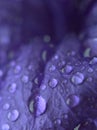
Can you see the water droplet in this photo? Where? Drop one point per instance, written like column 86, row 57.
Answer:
column 87, row 52
column 53, row 83
column 56, row 57
column 94, row 60
column 5, row 127
column 13, row 115
column 6, row 106
column 41, row 105
column 90, row 70
column 57, row 121
column 72, row 100
column 61, row 64
column 44, row 55
column 52, row 68
column 17, row 69
column 31, row 106
column 89, row 79
column 25, row 79
column 12, row 88
column 68, row 68
column 43, row 87
column 36, row 81
column 77, row 78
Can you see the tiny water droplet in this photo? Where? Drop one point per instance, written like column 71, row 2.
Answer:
column 36, row 81
column 56, row 57
column 94, row 60
column 53, row 83
column 68, row 68
column 87, row 52
column 52, row 68
column 12, row 88
column 72, row 100
column 89, row 79
column 13, row 115
column 25, row 79
column 43, row 87
column 57, row 121
column 90, row 70
column 44, row 55
column 17, row 69
column 6, row 106
column 77, row 78
column 41, row 105
column 5, row 127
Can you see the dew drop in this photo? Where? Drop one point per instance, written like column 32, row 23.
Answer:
column 87, row 52
column 5, row 127
column 44, row 55
column 31, row 106
column 77, row 78
column 52, row 68
column 43, row 87
column 57, row 121
column 56, row 57
column 6, row 106
column 41, row 105
column 36, row 81
column 72, row 100
column 53, row 83
column 90, row 70
column 12, row 88
column 68, row 68
column 25, row 79
column 94, row 60
column 13, row 115
column 17, row 69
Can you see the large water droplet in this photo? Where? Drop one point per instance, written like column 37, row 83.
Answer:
column 68, row 68
column 77, row 78
column 5, row 127
column 72, row 100
column 25, row 79
column 6, row 106
column 53, row 83
column 41, row 105
column 13, row 115
column 12, row 88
